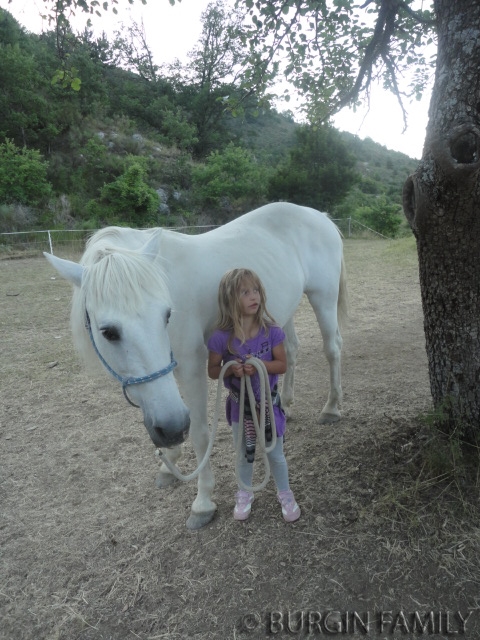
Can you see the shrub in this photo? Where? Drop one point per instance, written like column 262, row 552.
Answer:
column 23, row 175
column 381, row 217
column 177, row 130
column 128, row 198
column 231, row 174
column 16, row 217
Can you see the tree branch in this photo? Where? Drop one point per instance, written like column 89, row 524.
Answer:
column 372, row 51
column 378, row 47
column 416, row 16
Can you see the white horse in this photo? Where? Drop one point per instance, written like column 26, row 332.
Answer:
column 145, row 300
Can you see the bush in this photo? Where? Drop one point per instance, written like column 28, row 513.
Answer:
column 96, row 166
column 381, row 217
column 23, row 176
column 128, row 198
column 177, row 130
column 232, row 174
column 16, row 217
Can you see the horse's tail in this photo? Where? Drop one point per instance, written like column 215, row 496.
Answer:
column 342, row 301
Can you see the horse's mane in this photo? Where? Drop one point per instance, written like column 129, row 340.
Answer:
column 116, row 277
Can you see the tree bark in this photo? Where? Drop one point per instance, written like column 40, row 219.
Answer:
column 442, row 204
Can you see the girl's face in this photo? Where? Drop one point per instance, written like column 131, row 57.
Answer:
column 249, row 297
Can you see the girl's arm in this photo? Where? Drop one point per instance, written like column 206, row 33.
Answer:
column 214, row 365
column 277, row 365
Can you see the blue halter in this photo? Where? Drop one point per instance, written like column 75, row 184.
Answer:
column 128, row 381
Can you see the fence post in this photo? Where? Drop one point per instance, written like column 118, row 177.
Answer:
column 50, row 241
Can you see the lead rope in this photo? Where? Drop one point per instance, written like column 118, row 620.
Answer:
column 245, row 383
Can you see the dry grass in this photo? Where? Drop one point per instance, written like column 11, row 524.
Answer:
column 91, row 550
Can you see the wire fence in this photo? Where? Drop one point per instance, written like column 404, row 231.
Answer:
column 31, row 243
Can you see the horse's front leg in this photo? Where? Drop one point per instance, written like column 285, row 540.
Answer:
column 195, row 391
column 166, row 478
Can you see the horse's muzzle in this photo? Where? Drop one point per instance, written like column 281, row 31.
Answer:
column 168, row 436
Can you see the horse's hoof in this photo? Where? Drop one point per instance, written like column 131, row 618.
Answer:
column 165, row 480
column 199, row 520
column 288, row 412
column 329, row 418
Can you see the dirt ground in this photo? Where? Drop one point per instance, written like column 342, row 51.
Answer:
column 92, row 550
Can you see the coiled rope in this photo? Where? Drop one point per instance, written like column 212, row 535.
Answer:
column 265, row 399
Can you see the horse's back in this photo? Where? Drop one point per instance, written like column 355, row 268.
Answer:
column 283, row 233
column 293, row 249
column 294, row 234
column 280, row 219
column 287, row 223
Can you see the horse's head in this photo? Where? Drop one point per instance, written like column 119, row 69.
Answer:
column 120, row 313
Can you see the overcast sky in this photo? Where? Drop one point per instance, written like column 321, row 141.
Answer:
column 173, row 31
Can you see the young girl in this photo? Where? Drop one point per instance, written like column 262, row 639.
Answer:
column 245, row 329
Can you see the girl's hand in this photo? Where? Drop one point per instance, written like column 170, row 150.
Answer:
column 237, row 369
column 249, row 369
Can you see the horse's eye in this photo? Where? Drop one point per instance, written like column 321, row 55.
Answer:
column 110, row 333
column 169, row 313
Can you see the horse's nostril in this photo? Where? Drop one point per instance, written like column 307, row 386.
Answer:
column 165, row 438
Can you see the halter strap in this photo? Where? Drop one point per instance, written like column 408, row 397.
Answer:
column 127, row 381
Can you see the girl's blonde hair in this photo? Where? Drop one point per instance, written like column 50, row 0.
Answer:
column 229, row 309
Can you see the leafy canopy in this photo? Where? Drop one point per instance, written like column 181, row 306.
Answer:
column 332, row 50
column 329, row 50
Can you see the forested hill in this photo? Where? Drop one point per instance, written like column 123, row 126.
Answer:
column 91, row 134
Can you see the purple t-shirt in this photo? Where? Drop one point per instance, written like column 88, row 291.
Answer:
column 259, row 347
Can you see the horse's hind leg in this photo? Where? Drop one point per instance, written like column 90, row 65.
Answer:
column 288, row 384
column 326, row 314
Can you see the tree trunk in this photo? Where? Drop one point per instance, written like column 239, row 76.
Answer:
column 442, row 205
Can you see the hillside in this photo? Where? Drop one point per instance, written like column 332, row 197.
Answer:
column 377, row 162
column 122, row 148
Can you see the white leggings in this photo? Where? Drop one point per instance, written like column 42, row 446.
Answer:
column 276, row 459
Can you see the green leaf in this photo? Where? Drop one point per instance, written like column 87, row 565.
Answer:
column 58, row 76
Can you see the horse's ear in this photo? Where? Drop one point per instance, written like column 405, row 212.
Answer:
column 71, row 271
column 152, row 246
